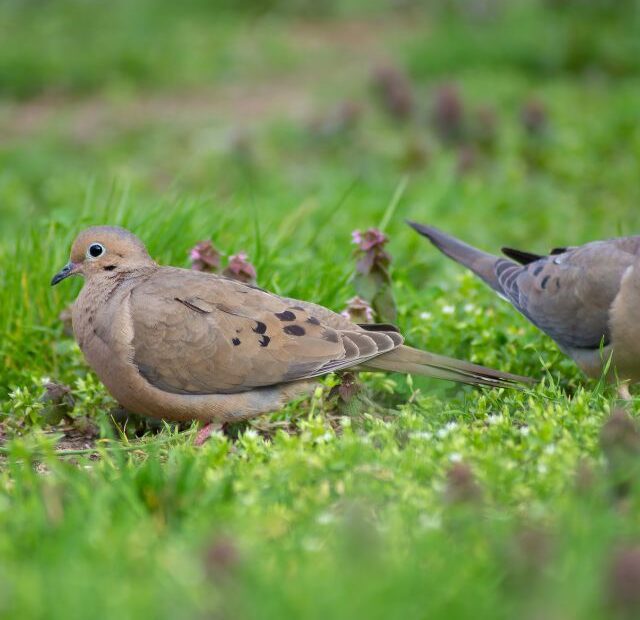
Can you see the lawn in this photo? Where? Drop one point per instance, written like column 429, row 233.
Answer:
column 278, row 128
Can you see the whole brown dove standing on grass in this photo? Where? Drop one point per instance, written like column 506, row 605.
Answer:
column 182, row 344
column 587, row 298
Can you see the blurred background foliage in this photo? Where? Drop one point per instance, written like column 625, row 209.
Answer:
column 83, row 46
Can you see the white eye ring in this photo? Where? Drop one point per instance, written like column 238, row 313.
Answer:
column 95, row 250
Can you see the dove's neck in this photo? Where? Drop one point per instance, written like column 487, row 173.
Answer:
column 107, row 282
column 99, row 294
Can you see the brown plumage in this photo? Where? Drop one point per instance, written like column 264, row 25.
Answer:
column 180, row 344
column 586, row 298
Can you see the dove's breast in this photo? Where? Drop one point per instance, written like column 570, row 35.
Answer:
column 625, row 326
column 102, row 328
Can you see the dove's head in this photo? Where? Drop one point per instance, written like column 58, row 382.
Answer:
column 104, row 250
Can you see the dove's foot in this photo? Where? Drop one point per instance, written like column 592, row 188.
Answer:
column 205, row 432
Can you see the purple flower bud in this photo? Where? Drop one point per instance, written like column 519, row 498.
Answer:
column 370, row 250
column 239, row 268
column 461, row 485
column 448, row 114
column 342, row 119
column 393, row 89
column 534, row 117
column 623, row 581
column 372, row 279
column 467, row 159
column 222, row 557
column 370, row 239
column 485, row 126
column 205, row 257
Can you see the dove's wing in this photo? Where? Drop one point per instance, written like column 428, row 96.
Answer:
column 569, row 294
column 196, row 333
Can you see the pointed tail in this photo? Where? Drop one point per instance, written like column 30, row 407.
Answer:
column 481, row 263
column 414, row 361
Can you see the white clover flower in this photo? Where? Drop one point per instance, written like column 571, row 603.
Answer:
column 448, row 427
column 448, row 309
column 325, row 438
column 430, row 522
column 312, row 544
column 324, row 518
column 426, row 316
column 455, row 457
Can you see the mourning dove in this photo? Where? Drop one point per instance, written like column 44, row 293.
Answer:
column 586, row 298
column 180, row 344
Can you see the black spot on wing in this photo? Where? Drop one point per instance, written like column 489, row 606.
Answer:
column 287, row 315
column 264, row 341
column 544, row 282
column 260, row 327
column 294, row 330
column 236, row 342
column 313, row 320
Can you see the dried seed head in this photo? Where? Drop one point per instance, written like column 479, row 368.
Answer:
column 623, row 581
column 448, row 114
column 358, row 310
column 393, row 88
column 221, row 557
column 534, row 117
column 461, row 485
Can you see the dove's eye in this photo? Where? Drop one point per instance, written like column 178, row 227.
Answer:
column 95, row 250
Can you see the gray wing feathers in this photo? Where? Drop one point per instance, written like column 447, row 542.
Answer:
column 567, row 294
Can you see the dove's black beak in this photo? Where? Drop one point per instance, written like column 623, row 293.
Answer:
column 68, row 270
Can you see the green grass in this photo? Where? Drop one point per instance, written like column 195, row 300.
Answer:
column 321, row 510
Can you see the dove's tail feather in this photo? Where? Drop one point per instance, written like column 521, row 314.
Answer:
column 481, row 263
column 414, row 361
